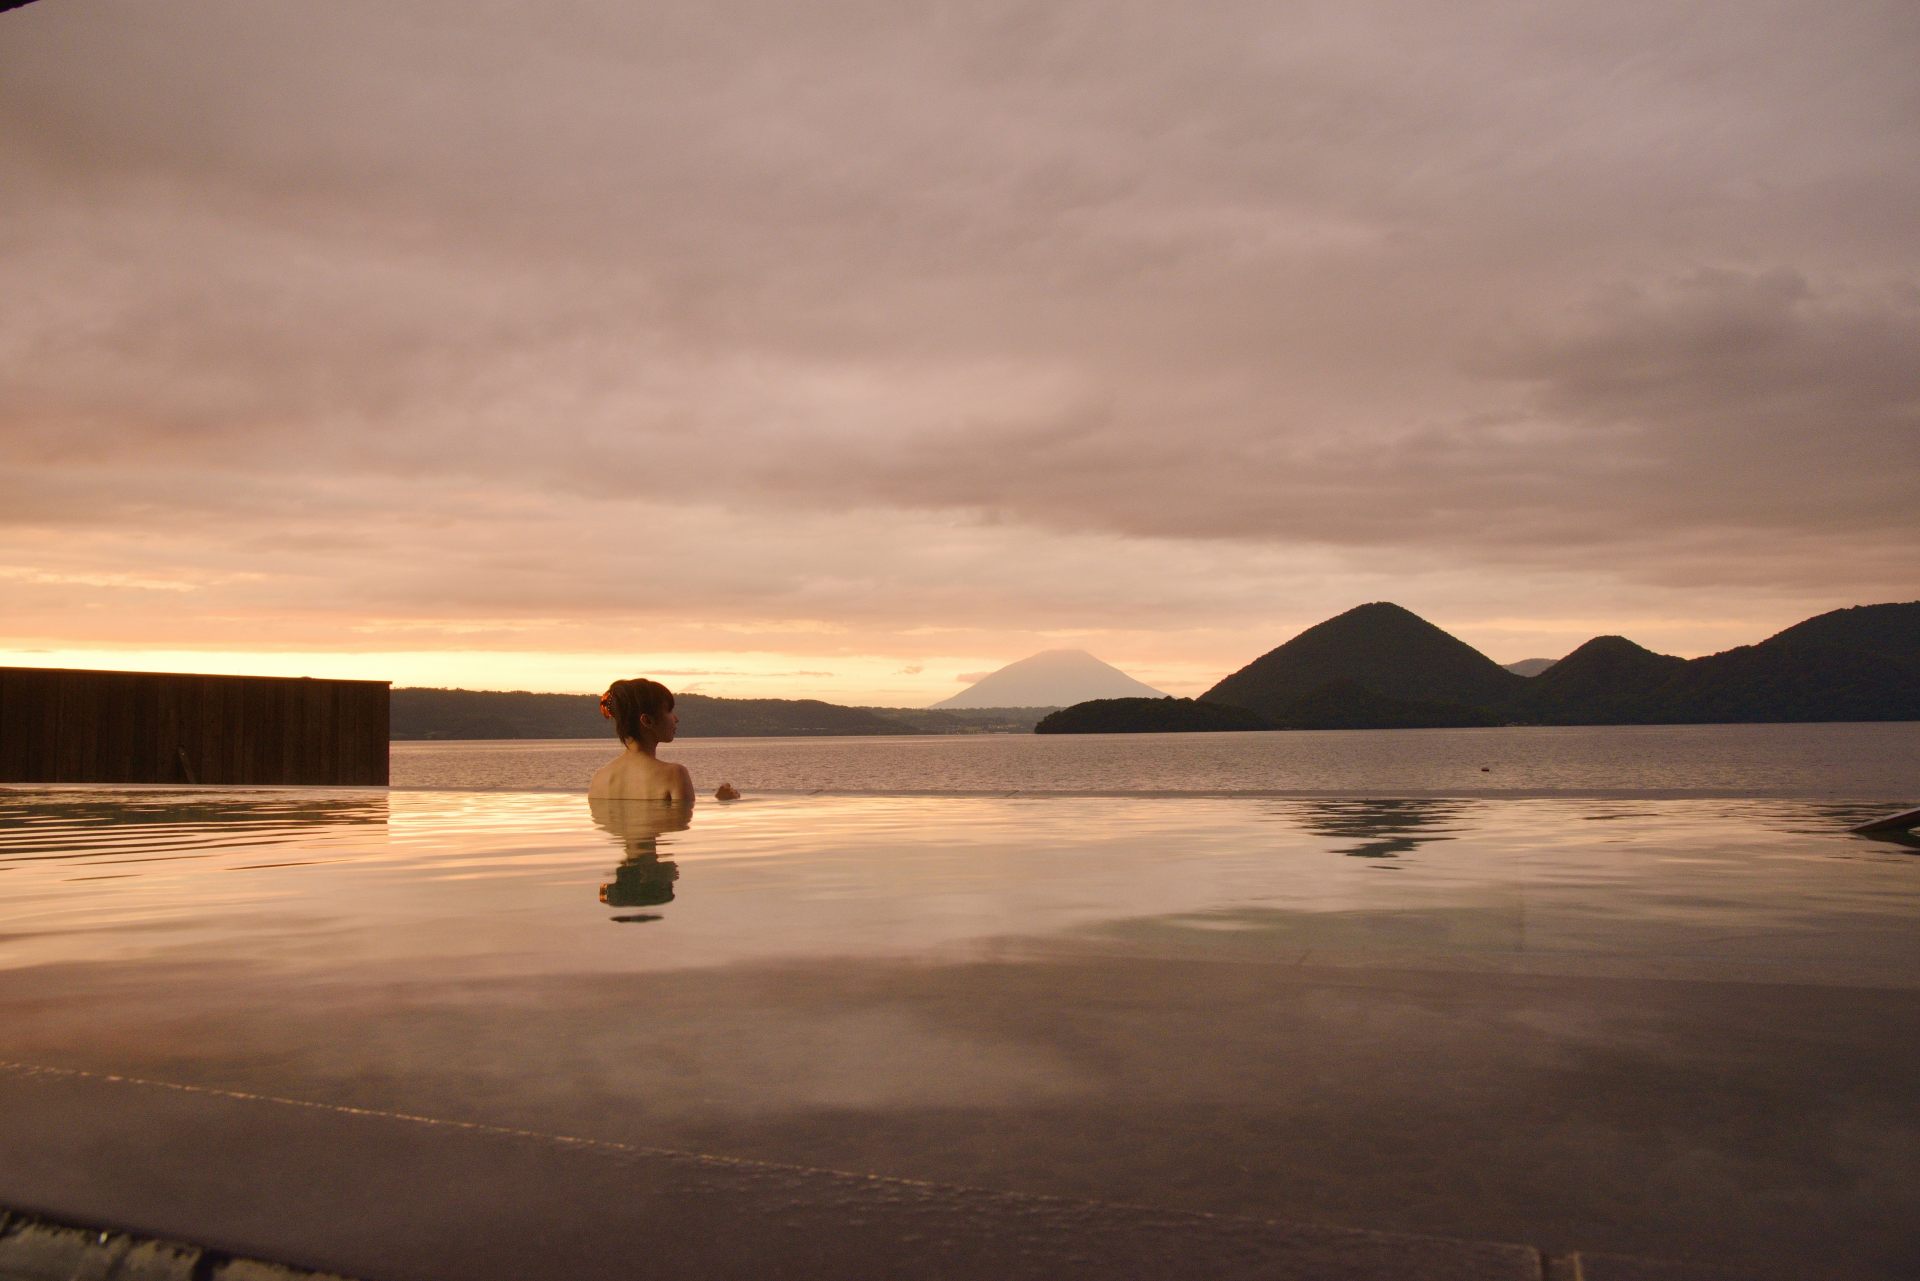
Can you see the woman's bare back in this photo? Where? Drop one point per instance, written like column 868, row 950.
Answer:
column 637, row 776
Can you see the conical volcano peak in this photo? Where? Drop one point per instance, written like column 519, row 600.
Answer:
column 1051, row 678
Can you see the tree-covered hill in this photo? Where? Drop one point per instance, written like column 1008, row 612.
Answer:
column 1883, row 629
column 1608, row 680
column 1380, row 648
column 1347, row 704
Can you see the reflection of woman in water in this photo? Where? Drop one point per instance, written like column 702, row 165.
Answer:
column 643, row 879
column 637, row 797
column 642, row 714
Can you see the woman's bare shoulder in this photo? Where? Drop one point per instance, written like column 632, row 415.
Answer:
column 606, row 780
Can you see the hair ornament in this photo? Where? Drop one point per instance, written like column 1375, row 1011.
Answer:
column 606, row 705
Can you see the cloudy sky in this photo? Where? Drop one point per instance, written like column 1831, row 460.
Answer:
column 840, row 349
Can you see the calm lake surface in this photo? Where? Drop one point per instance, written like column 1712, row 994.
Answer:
column 322, row 883
column 1629, row 990
column 1858, row 762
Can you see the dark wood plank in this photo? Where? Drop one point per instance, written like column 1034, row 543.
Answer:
column 139, row 727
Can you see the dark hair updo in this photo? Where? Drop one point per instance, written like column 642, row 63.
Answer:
column 625, row 702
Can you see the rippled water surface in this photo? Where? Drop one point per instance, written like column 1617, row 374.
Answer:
column 1865, row 762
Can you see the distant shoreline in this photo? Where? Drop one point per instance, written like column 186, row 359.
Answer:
column 1127, row 734
column 476, row 715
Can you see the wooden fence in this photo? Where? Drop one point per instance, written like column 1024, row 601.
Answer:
column 64, row 726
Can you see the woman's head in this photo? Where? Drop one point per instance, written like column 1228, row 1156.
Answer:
column 640, row 709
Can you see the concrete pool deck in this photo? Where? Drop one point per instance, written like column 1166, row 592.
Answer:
column 383, row 1195
column 1462, row 1066
column 1435, row 1116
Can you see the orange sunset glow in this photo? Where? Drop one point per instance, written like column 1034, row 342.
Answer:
column 843, row 356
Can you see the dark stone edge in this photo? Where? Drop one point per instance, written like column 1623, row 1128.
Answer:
column 36, row 1247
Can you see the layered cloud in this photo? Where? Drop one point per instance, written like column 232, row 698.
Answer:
column 1010, row 318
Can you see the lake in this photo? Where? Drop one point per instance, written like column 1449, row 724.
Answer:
column 1630, row 992
column 1855, row 762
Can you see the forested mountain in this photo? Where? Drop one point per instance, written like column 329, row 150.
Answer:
column 1607, row 680
column 1858, row 664
column 1379, row 648
column 1884, row 629
column 1380, row 666
column 1769, row 682
column 1347, row 704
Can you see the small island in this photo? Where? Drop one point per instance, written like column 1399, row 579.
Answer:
column 1167, row 715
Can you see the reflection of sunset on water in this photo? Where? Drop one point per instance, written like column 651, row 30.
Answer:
column 1177, row 1003
column 488, row 883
